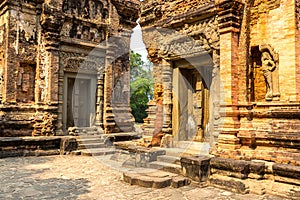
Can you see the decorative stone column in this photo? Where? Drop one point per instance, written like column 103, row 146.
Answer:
column 100, row 99
column 229, row 20
column 117, row 116
column 108, row 121
column 167, row 76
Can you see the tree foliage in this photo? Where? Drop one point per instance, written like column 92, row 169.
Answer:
column 141, row 86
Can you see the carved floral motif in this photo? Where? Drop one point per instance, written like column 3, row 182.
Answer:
column 74, row 62
column 200, row 37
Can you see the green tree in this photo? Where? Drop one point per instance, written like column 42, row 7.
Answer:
column 141, row 86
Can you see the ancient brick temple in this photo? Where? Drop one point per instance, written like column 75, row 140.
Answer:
column 65, row 63
column 227, row 72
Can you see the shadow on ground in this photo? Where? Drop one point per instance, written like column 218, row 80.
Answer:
column 22, row 178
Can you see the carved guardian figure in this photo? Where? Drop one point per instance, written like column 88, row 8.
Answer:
column 270, row 60
column 268, row 66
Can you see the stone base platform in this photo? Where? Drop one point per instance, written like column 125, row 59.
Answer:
column 155, row 179
column 256, row 176
column 36, row 146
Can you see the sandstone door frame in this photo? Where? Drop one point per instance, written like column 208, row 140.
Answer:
column 85, row 99
column 190, row 102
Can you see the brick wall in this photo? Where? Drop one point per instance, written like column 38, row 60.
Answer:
column 275, row 25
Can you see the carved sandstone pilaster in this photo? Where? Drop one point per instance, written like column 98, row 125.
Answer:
column 229, row 19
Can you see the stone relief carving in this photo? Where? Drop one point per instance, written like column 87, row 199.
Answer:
column 2, row 34
column 178, row 7
column 43, row 124
column 121, row 80
column 87, row 9
column 43, row 72
column 179, row 45
column 26, row 82
column 121, row 90
column 77, row 30
column 117, row 90
column 158, row 91
column 268, row 66
column 205, row 33
column 66, row 29
column 270, row 61
column 200, row 37
column 74, row 62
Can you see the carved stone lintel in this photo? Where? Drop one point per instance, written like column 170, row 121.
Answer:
column 73, row 62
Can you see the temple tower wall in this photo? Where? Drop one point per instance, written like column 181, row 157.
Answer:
column 254, row 88
column 56, row 57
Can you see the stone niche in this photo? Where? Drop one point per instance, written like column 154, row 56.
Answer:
column 26, row 83
column 263, row 77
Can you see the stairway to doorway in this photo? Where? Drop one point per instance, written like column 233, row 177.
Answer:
column 148, row 167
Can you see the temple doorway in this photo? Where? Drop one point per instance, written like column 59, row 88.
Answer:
column 79, row 107
column 190, row 105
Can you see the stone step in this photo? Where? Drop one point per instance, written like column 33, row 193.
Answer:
column 169, row 159
column 168, row 167
column 97, row 152
column 91, row 146
column 90, row 140
column 178, row 152
column 125, row 136
column 194, row 153
column 91, row 133
column 193, row 146
column 76, row 153
column 126, row 128
column 120, row 156
column 85, row 131
column 158, row 179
